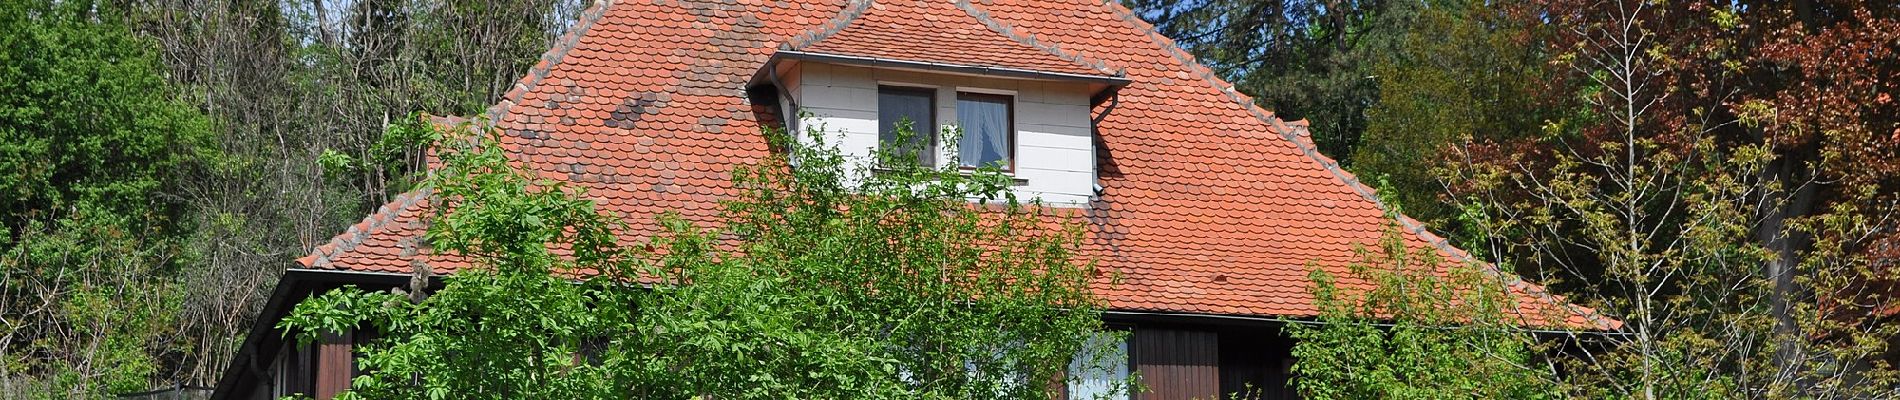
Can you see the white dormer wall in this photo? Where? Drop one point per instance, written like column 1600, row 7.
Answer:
column 1054, row 154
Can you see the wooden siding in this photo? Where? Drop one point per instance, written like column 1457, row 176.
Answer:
column 1253, row 364
column 291, row 373
column 334, row 366
column 1177, row 364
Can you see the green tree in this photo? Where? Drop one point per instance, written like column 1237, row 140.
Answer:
column 1693, row 188
column 308, row 99
column 1420, row 327
column 1460, row 71
column 1720, row 175
column 821, row 280
column 94, row 149
column 1301, row 59
column 377, row 60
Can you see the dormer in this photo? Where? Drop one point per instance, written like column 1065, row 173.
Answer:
column 1022, row 106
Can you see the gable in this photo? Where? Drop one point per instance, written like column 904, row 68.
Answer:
column 1209, row 205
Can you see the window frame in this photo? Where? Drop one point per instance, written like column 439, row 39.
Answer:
column 931, row 147
column 1009, row 127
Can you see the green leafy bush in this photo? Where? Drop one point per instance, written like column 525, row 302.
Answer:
column 1417, row 328
column 94, row 147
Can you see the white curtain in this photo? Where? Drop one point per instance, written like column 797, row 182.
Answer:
column 985, row 122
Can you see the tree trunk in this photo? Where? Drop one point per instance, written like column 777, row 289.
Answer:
column 1798, row 198
column 323, row 23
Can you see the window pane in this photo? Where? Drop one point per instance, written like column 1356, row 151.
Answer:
column 1099, row 374
column 985, row 119
column 896, row 106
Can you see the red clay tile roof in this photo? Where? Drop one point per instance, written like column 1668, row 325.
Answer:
column 1211, row 205
column 385, row 241
column 937, row 31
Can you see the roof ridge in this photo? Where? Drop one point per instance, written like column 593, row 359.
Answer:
column 983, row 15
column 1297, row 135
column 346, row 241
column 554, row 56
column 850, row 13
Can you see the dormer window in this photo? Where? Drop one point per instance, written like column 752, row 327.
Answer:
column 1034, row 126
column 989, row 130
column 852, row 83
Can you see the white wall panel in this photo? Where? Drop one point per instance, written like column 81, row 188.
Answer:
column 1053, row 159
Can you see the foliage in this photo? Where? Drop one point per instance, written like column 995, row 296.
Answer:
column 308, row 102
column 822, row 280
column 94, row 149
column 1672, row 194
column 394, row 151
column 1302, row 59
column 1716, row 175
column 91, row 126
column 1419, row 328
column 1684, row 279
column 120, row 193
column 378, row 61
column 1387, row 86
column 1459, row 71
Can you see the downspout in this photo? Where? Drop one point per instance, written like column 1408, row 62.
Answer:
column 1095, row 174
column 1097, row 209
column 791, row 116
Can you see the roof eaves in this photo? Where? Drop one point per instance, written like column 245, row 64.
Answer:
column 320, row 257
column 249, row 364
column 1298, row 136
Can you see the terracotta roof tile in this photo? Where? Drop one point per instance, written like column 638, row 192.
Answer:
column 1211, row 204
column 939, row 31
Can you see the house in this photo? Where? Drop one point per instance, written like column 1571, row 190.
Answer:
column 1211, row 209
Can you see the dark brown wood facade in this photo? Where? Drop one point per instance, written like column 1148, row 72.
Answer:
column 1177, row 363
column 335, row 365
column 1212, row 362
